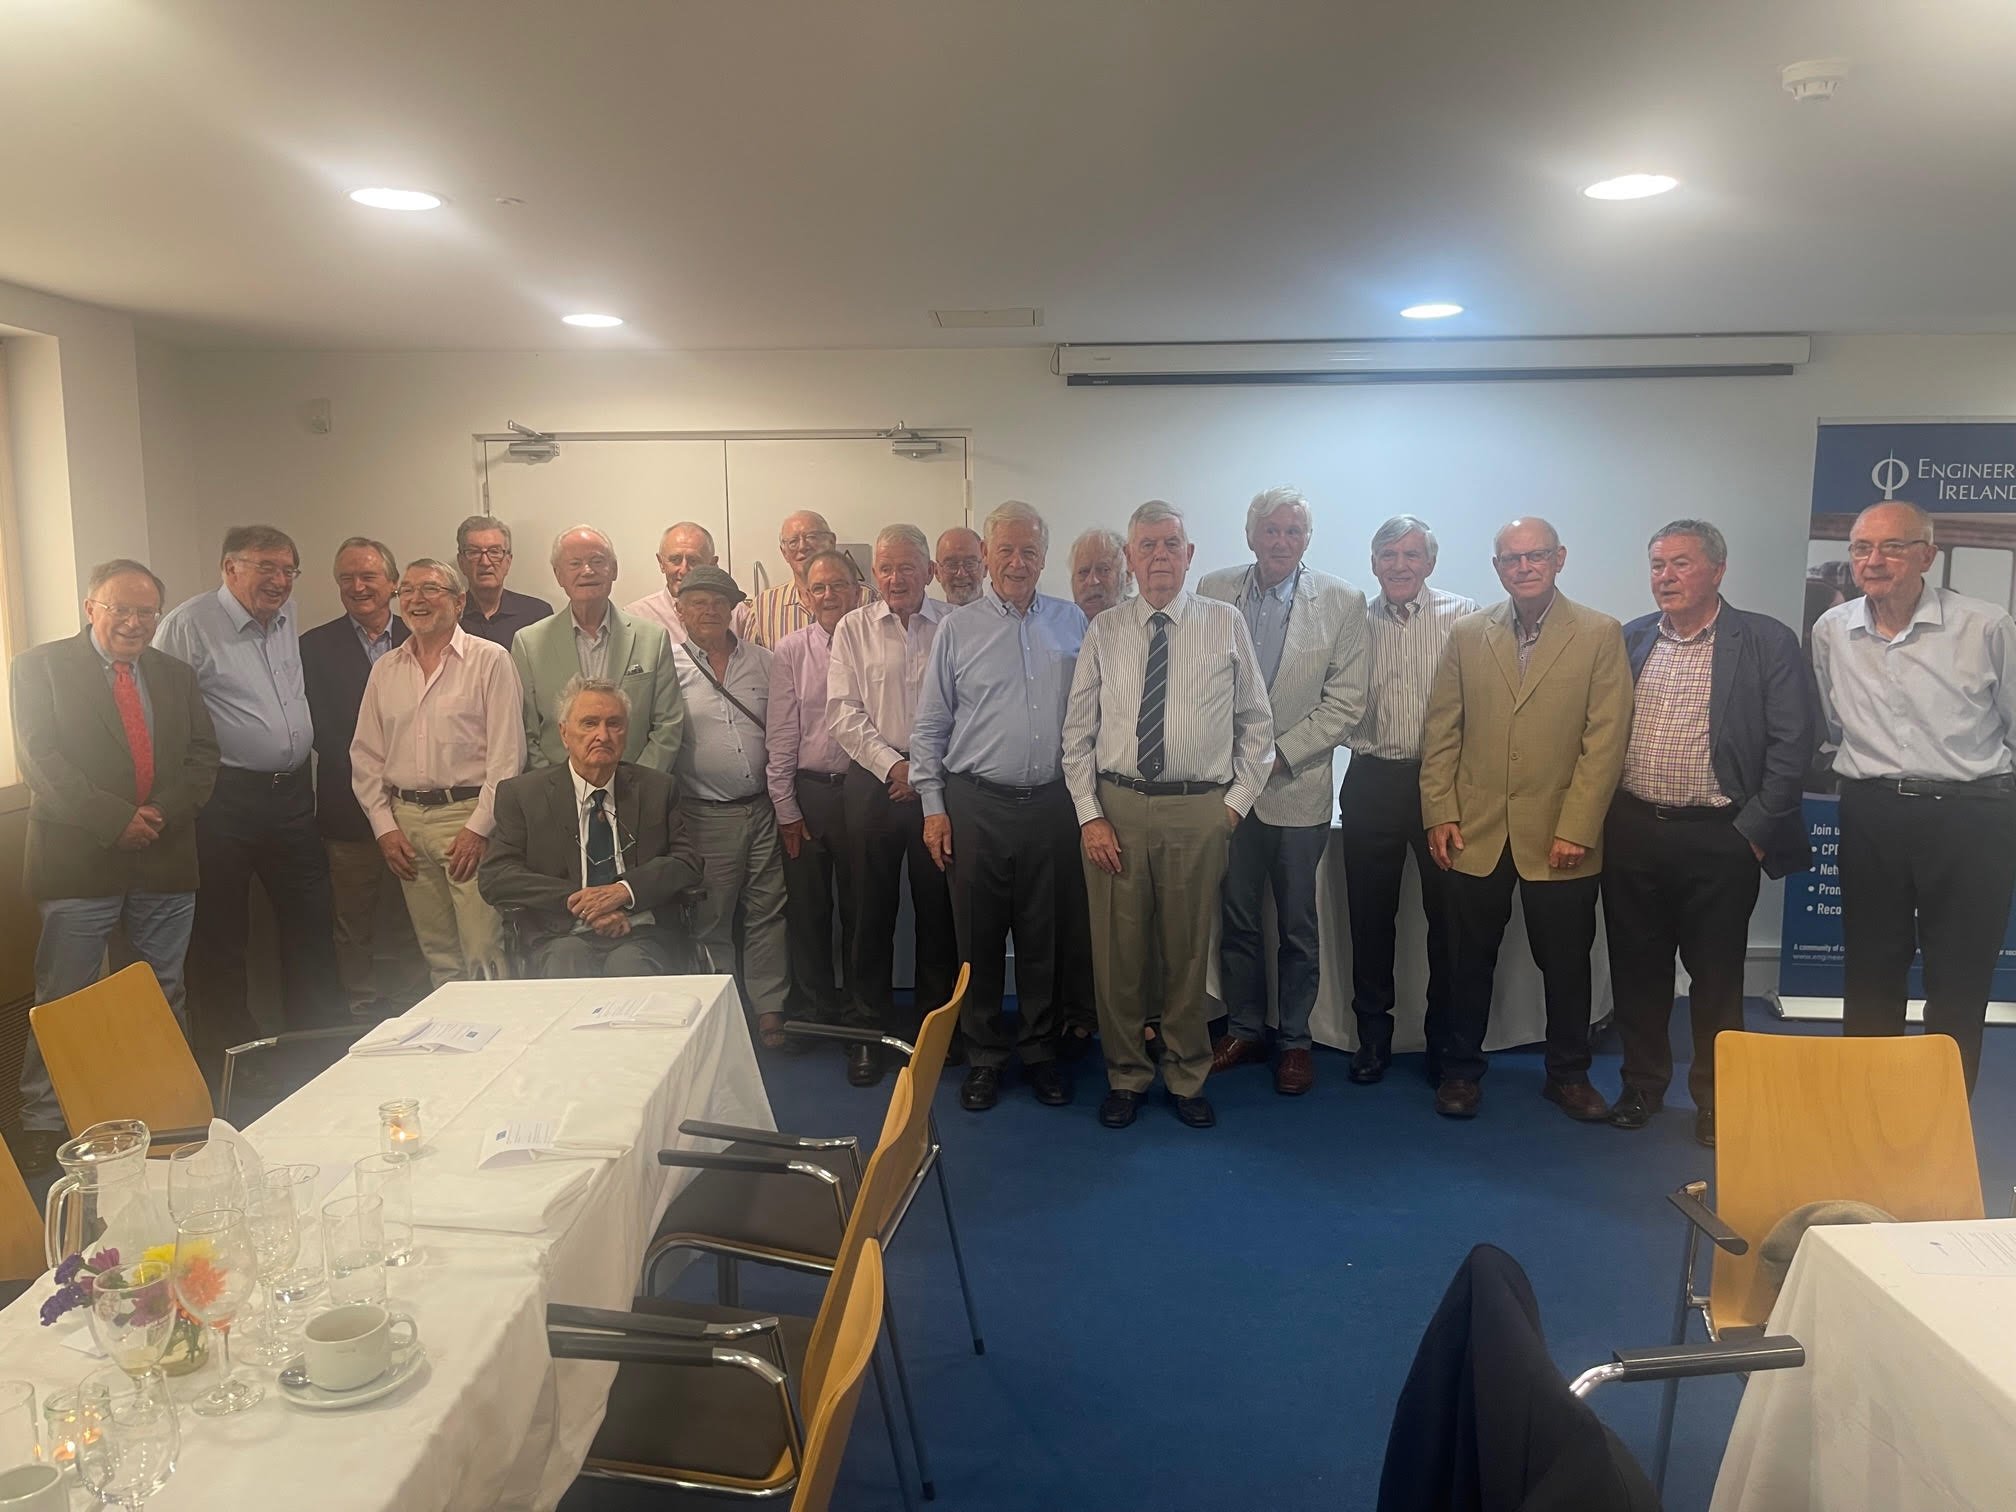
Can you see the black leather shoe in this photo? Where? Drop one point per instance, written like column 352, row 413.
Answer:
column 981, row 1089
column 1048, row 1081
column 864, row 1065
column 1117, row 1108
column 1195, row 1112
column 1368, row 1064
column 1632, row 1110
column 1704, row 1128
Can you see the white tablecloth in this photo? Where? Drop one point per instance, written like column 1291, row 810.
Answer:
column 491, row 1421
column 1907, row 1402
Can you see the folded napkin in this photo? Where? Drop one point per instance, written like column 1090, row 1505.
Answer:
column 250, row 1166
column 523, row 1200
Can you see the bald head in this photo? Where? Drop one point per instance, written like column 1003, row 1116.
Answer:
column 1890, row 550
column 681, row 549
column 1528, row 555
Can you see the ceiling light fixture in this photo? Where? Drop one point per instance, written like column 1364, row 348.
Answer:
column 1431, row 311
column 593, row 322
column 1631, row 186
column 396, row 199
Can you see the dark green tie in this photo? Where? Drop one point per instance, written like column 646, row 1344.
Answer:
column 601, row 842
column 1148, row 725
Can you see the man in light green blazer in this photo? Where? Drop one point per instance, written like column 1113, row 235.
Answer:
column 596, row 639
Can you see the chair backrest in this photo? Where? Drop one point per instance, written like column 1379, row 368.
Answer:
column 1804, row 1119
column 114, row 1050
column 20, row 1225
column 829, row 1412
column 934, row 1035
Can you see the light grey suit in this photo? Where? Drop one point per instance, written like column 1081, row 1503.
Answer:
column 640, row 662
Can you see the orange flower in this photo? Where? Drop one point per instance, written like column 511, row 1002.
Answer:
column 200, row 1281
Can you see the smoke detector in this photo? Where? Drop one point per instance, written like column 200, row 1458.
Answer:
column 1814, row 79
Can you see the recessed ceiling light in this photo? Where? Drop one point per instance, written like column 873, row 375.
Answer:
column 1431, row 311
column 396, row 199
column 596, row 322
column 1632, row 186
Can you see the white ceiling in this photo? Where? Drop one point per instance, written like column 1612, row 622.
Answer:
column 753, row 173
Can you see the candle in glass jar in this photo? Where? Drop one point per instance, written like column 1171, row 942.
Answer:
column 399, row 1122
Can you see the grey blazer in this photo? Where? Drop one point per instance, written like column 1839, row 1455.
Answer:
column 1318, row 693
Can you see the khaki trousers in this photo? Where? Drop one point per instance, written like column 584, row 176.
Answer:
column 742, row 862
column 1172, row 859
column 358, row 882
column 460, row 935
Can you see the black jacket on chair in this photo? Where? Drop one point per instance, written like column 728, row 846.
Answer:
column 1486, row 1423
column 335, row 669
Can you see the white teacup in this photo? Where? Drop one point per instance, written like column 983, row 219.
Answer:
column 33, row 1488
column 348, row 1347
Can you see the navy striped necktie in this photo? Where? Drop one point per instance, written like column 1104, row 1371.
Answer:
column 601, row 843
column 1148, row 727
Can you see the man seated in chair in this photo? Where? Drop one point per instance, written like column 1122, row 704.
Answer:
column 591, row 855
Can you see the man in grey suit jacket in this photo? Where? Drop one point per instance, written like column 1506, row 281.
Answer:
column 595, row 888
column 1309, row 631
column 596, row 639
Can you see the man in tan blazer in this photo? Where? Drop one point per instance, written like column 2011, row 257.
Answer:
column 1523, row 747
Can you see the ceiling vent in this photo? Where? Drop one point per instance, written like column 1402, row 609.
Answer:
column 1004, row 318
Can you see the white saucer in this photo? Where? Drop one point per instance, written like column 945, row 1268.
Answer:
column 317, row 1399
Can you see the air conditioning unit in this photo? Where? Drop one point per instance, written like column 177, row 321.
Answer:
column 1485, row 360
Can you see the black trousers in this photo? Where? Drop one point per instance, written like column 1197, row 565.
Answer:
column 885, row 835
column 815, row 879
column 1678, row 884
column 1380, row 821
column 1560, row 930
column 255, row 825
column 1924, row 873
column 1015, row 869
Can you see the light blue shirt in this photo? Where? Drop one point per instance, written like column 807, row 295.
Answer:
column 1267, row 611
column 250, row 676
column 374, row 646
column 994, row 694
column 139, row 681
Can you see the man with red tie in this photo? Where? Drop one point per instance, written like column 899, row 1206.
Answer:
column 118, row 752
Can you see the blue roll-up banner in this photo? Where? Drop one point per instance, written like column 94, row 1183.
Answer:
column 1964, row 474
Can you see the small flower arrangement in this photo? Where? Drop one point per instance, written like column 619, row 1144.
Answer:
column 77, row 1281
column 76, row 1278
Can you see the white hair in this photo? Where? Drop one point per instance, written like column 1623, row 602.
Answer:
column 450, row 574
column 574, row 687
column 1107, row 542
column 1155, row 512
column 561, row 538
column 1011, row 510
column 906, row 535
column 1269, row 500
column 1402, row 526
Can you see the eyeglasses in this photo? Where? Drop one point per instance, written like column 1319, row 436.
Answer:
column 1890, row 551
column 588, row 564
column 806, row 538
column 487, row 553
column 121, row 615
column 277, row 572
column 424, row 590
column 1511, row 559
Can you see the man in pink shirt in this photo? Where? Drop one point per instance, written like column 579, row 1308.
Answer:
column 439, row 728
column 682, row 548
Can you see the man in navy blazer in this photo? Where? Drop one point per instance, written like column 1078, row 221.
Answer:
column 1724, row 726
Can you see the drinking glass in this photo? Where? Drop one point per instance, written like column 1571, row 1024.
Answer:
column 204, row 1176
column 20, row 1429
column 66, row 1423
column 133, row 1313
column 389, row 1178
column 399, row 1126
column 296, row 1290
column 132, row 1454
column 353, row 1249
column 276, row 1240
column 215, row 1271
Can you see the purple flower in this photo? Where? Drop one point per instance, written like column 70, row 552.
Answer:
column 67, row 1271
column 103, row 1261
column 66, row 1298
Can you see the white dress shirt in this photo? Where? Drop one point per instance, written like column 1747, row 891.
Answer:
column 584, row 805
column 1217, row 723
column 461, row 726
column 873, row 680
column 1403, row 655
column 1939, row 701
column 723, row 755
column 661, row 609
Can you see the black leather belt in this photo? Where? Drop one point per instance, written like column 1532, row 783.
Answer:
column 1685, row 813
column 271, row 782
column 1164, row 789
column 1003, row 790
column 1933, row 787
column 742, row 802
column 436, row 797
column 828, row 779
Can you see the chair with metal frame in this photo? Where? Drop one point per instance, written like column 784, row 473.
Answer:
column 790, row 1214
column 736, row 1434
column 697, row 959
column 1804, row 1119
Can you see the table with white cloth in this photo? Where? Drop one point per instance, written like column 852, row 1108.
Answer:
column 490, row 1420
column 1907, row 1401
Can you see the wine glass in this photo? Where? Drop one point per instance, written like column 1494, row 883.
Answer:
column 276, row 1240
column 132, row 1453
column 215, row 1271
column 133, row 1313
column 204, row 1175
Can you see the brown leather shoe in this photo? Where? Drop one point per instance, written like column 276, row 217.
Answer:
column 1458, row 1099
column 1578, row 1100
column 1232, row 1051
column 1294, row 1074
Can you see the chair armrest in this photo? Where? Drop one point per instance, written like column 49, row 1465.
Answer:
column 611, row 1321
column 856, row 1036
column 1703, row 1218
column 700, row 1128
column 754, row 1165
column 1729, row 1357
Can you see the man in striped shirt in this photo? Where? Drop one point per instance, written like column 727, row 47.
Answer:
column 1406, row 628
column 776, row 612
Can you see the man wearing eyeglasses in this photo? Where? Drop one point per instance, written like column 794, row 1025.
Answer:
column 776, row 612
column 118, row 753
column 260, row 821
column 494, row 612
column 1523, row 745
column 1918, row 691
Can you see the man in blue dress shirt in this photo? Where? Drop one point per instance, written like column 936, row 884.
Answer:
column 260, row 821
column 986, row 758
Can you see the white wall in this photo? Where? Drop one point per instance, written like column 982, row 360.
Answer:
column 1607, row 461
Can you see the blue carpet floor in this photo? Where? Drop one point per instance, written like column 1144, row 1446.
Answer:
column 1222, row 1320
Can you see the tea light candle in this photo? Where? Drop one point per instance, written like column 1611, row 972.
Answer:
column 400, row 1126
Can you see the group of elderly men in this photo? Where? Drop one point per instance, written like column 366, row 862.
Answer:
column 1105, row 780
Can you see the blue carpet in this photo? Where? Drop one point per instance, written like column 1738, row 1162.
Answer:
column 1222, row 1320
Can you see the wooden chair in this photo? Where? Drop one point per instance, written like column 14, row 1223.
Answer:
column 20, row 1227
column 114, row 1050
column 1804, row 1119
column 738, row 1432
